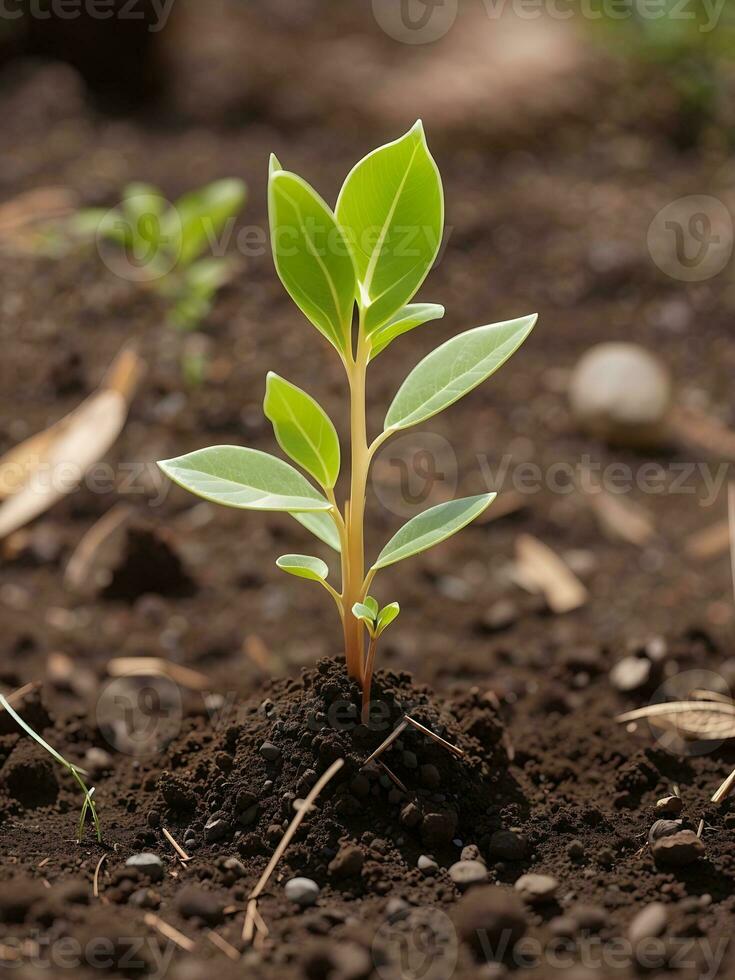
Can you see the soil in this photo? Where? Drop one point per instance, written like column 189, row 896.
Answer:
column 550, row 218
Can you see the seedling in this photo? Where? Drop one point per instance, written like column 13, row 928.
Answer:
column 76, row 772
column 163, row 244
column 369, row 256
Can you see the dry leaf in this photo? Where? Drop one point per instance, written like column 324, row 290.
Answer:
column 90, row 567
column 705, row 720
column 51, row 464
column 151, row 666
column 702, row 432
column 542, row 570
column 622, row 518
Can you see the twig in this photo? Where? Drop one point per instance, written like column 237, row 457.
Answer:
column 176, row 846
column 725, row 789
column 254, row 915
column 455, row 750
column 731, row 521
column 96, row 882
column 392, row 776
column 22, row 691
column 222, row 944
column 389, row 741
column 168, row 931
column 143, row 666
column 700, row 828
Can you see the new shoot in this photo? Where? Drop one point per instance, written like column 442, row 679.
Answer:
column 353, row 272
column 75, row 771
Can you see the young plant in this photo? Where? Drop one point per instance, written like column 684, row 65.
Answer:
column 75, row 771
column 165, row 242
column 369, row 256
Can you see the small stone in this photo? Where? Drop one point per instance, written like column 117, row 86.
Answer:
column 678, row 850
column 195, row 903
column 669, row 806
column 471, row 852
column 590, row 918
column 500, row 616
column 145, row 898
column 536, row 888
column 98, row 761
column 348, row 862
column 235, row 867
column 575, row 850
column 410, row 815
column 148, row 864
column 438, row 829
column 216, row 828
column 270, row 752
column 428, row 865
column 507, row 845
column 663, row 828
column 409, row 760
column 464, row 874
column 630, row 674
column 302, row 891
column 430, row 776
column 649, row 923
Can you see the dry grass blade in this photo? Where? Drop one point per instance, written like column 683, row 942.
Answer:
column 227, row 948
column 725, row 788
column 168, row 932
column 21, row 692
column 50, row 465
column 252, row 916
column 96, row 881
column 437, row 738
column 705, row 720
column 699, row 695
column 146, row 666
column 710, row 542
column 731, row 523
column 622, row 518
column 392, row 776
column 86, row 570
column 544, row 570
column 176, row 846
column 396, row 733
column 701, row 431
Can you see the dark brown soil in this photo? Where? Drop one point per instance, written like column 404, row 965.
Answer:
column 549, row 217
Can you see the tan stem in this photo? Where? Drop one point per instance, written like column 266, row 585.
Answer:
column 367, row 681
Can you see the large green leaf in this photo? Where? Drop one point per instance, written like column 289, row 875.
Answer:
column 303, row 429
column 322, row 526
column 391, row 208
column 432, row 527
column 198, row 217
column 304, row 566
column 413, row 315
column 240, row 477
column 454, row 369
column 311, row 255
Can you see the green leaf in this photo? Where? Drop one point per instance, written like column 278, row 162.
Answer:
column 406, row 319
column 432, row 527
column 304, row 566
column 311, row 256
column 372, row 605
column 239, row 477
column 391, row 208
column 386, row 617
column 198, row 217
column 365, row 615
column 143, row 205
column 321, row 526
column 303, row 429
column 454, row 369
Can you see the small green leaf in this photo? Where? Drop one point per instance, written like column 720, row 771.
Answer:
column 143, row 205
column 454, row 369
column 239, row 477
column 303, row 429
column 311, row 256
column 391, row 208
column 432, row 527
column 406, row 319
column 321, row 526
column 304, row 566
column 386, row 617
column 198, row 217
column 365, row 615
column 372, row 605
column 273, row 165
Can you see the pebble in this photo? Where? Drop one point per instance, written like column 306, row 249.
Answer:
column 215, row 829
column 678, row 850
column 270, row 752
column 630, row 674
column 145, row 898
column 302, row 891
column 98, row 761
column 500, row 616
column 669, row 806
column 537, row 888
column 489, row 914
column 663, row 828
column 148, row 864
column 467, row 873
column 427, row 864
column 649, row 923
column 575, row 850
column 589, row 918
column 195, row 903
column 410, row 815
column 471, row 852
column 507, row 845
column 437, row 829
column 430, row 776
column 348, row 862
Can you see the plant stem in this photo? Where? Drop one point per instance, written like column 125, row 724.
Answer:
column 352, row 591
column 367, row 680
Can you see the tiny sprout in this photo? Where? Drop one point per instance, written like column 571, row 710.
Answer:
column 75, row 771
column 164, row 243
column 370, row 254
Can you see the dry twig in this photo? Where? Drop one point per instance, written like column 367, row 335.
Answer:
column 168, row 931
column 176, row 846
